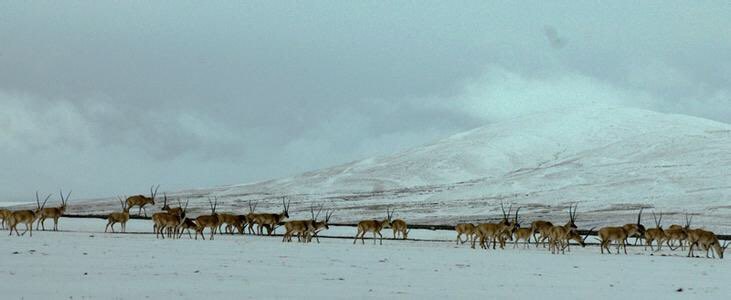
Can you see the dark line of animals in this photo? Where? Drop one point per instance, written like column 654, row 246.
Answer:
column 173, row 222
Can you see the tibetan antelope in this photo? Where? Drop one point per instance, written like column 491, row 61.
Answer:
column 468, row 229
column 53, row 212
column 230, row 220
column 186, row 225
column 4, row 216
column 251, row 217
column 705, row 240
column 141, row 200
column 118, row 217
column 678, row 233
column 374, row 226
column 317, row 226
column 635, row 230
column 609, row 234
column 207, row 221
column 162, row 220
column 300, row 227
column 521, row 233
column 656, row 234
column 488, row 232
column 271, row 221
column 399, row 227
column 26, row 217
column 179, row 211
column 560, row 238
column 543, row 228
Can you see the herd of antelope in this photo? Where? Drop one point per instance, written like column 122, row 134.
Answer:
column 173, row 223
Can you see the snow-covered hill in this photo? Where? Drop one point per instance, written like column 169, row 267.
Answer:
column 610, row 160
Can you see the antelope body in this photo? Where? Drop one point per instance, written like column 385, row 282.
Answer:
column 207, row 221
column 609, row 234
column 271, row 221
column 26, row 217
column 374, row 226
column 467, row 229
column 142, row 200
column 118, row 217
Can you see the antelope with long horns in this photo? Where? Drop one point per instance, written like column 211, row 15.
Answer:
column 317, row 226
column 142, row 200
column 656, row 234
column 207, row 221
column 374, row 226
column 53, row 212
column 299, row 227
column 636, row 230
column 118, row 217
column 678, row 233
column 271, row 221
column 26, row 217
column 705, row 240
column 251, row 217
column 179, row 211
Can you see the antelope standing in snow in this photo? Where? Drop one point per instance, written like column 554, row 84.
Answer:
column 399, row 227
column 705, row 240
column 26, row 217
column 374, row 226
column 468, row 229
column 271, row 221
column 118, row 217
column 207, row 221
column 656, row 234
column 635, row 230
column 317, row 226
column 141, row 201
column 179, row 211
column 53, row 212
column 609, row 234
column 678, row 233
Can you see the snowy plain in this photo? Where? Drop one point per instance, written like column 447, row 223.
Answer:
column 82, row 262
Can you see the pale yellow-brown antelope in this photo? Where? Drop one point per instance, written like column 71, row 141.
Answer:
column 636, row 230
column 607, row 235
column 118, row 217
column 400, row 227
column 186, row 225
column 678, row 233
column 251, row 217
column 179, row 211
column 271, row 221
column 53, row 212
column 207, row 221
column 5, row 216
column 492, row 232
column 162, row 220
column 26, row 217
column 299, row 227
column 521, row 233
column 230, row 220
column 317, row 226
column 468, row 229
column 707, row 241
column 543, row 228
column 374, row 226
column 656, row 234
column 142, row 200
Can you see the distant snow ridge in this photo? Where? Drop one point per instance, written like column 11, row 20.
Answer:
column 610, row 160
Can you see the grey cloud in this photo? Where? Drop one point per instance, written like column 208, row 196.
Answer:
column 114, row 96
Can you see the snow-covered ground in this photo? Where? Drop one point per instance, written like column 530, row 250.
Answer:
column 89, row 264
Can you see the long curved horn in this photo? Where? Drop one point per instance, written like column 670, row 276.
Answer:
column 516, row 215
column 587, row 234
column 639, row 216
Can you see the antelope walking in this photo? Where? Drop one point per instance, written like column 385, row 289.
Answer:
column 251, row 217
column 635, row 230
column 609, row 234
column 53, row 212
column 4, row 216
column 179, row 211
column 26, row 217
column 488, row 232
column 317, row 226
column 544, row 227
column 186, row 225
column 656, row 234
column 271, row 221
column 207, row 221
column 141, row 201
column 468, row 229
column 521, row 233
column 162, row 220
column 678, row 233
column 118, row 217
column 374, row 226
column 705, row 240
column 399, row 227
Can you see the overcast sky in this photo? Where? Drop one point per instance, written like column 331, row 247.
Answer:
column 109, row 98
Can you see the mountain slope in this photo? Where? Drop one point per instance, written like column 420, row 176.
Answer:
column 610, row 160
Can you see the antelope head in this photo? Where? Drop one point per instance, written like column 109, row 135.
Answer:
column 658, row 222
column 64, row 201
column 153, row 194
column 506, row 215
column 285, row 213
column 165, row 205
column 687, row 221
column 389, row 216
